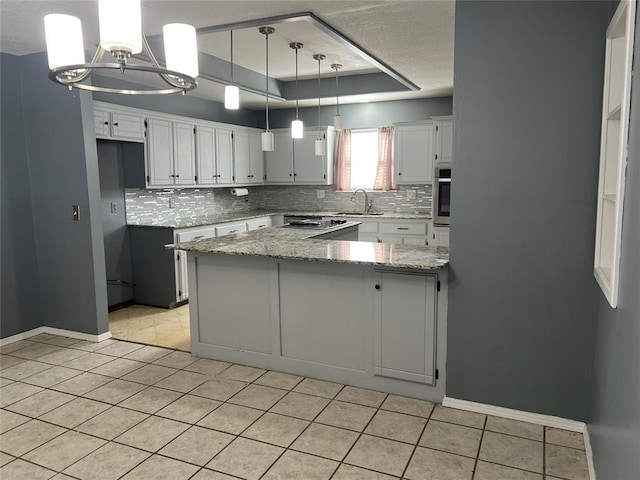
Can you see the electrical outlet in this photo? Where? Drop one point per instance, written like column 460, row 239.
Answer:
column 172, row 202
column 411, row 194
column 319, row 193
column 114, row 208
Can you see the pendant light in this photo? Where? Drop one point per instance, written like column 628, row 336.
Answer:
column 267, row 136
column 297, row 127
column 337, row 119
column 320, row 143
column 231, row 92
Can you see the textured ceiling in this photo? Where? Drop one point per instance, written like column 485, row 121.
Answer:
column 415, row 37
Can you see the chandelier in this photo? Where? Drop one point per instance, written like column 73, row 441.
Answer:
column 121, row 35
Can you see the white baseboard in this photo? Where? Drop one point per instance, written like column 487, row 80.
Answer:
column 55, row 331
column 589, row 453
column 537, row 418
column 21, row 336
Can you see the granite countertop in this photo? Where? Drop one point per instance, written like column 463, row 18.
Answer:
column 299, row 244
column 249, row 214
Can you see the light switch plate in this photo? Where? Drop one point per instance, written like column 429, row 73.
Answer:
column 319, row 193
column 76, row 212
column 114, row 208
column 411, row 194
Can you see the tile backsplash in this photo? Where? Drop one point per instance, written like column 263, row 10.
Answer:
column 182, row 204
column 305, row 198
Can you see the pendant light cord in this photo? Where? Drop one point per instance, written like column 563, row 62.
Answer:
column 319, row 89
column 231, row 31
column 267, row 79
column 337, row 95
column 297, row 83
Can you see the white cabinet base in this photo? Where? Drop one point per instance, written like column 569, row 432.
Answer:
column 308, row 318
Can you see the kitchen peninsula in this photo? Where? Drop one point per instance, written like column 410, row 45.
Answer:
column 367, row 314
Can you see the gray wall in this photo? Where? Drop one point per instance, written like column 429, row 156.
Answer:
column 117, row 245
column 63, row 168
column 365, row 115
column 19, row 300
column 614, row 423
column 528, row 89
column 187, row 105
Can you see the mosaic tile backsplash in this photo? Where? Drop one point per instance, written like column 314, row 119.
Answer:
column 181, row 204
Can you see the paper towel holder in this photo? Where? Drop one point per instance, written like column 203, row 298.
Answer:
column 240, row 192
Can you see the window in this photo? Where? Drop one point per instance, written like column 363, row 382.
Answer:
column 613, row 148
column 364, row 158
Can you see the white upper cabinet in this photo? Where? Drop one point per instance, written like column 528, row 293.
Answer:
column 443, row 139
column 413, row 160
column 170, row 153
column 114, row 123
column 279, row 162
column 248, row 158
column 293, row 161
column 214, row 155
column 184, row 154
column 159, row 152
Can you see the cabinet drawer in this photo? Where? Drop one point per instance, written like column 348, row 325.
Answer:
column 258, row 223
column 231, row 228
column 197, row 234
column 405, row 228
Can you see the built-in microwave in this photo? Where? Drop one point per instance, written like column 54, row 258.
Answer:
column 442, row 196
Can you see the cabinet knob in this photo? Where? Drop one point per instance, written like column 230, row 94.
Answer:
column 291, row 175
column 106, row 123
column 115, row 124
column 377, row 287
column 399, row 173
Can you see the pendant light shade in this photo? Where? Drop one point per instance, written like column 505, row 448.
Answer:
column 181, row 48
column 121, row 25
column 231, row 97
column 64, row 40
column 267, row 141
column 267, row 136
column 231, row 92
column 297, row 127
column 337, row 119
column 319, row 143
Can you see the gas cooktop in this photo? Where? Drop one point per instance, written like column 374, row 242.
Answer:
column 313, row 224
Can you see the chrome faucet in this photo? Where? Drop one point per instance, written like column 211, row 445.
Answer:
column 367, row 203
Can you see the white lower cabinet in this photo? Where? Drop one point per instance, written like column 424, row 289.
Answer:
column 440, row 236
column 230, row 228
column 187, row 235
column 405, row 326
column 405, row 231
column 259, row 223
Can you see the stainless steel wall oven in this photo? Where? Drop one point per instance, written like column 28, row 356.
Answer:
column 442, row 196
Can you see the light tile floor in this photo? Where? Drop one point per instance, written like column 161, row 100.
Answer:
column 115, row 409
column 153, row 326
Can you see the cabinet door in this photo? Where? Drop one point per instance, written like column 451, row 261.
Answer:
column 125, row 126
column 206, row 155
column 444, row 141
column 308, row 168
column 101, row 121
column 414, row 154
column 184, row 154
column 415, row 240
column 224, row 165
column 405, row 327
column 241, row 157
column 390, row 238
column 159, row 152
column 279, row 162
column 441, row 237
column 256, row 158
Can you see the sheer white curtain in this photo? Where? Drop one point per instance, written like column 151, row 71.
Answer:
column 342, row 161
column 384, row 171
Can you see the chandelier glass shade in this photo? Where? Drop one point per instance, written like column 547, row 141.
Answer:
column 121, row 36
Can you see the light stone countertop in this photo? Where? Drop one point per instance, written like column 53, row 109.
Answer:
column 249, row 214
column 299, row 244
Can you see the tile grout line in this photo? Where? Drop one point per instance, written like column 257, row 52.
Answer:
column 415, row 447
column 475, row 464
